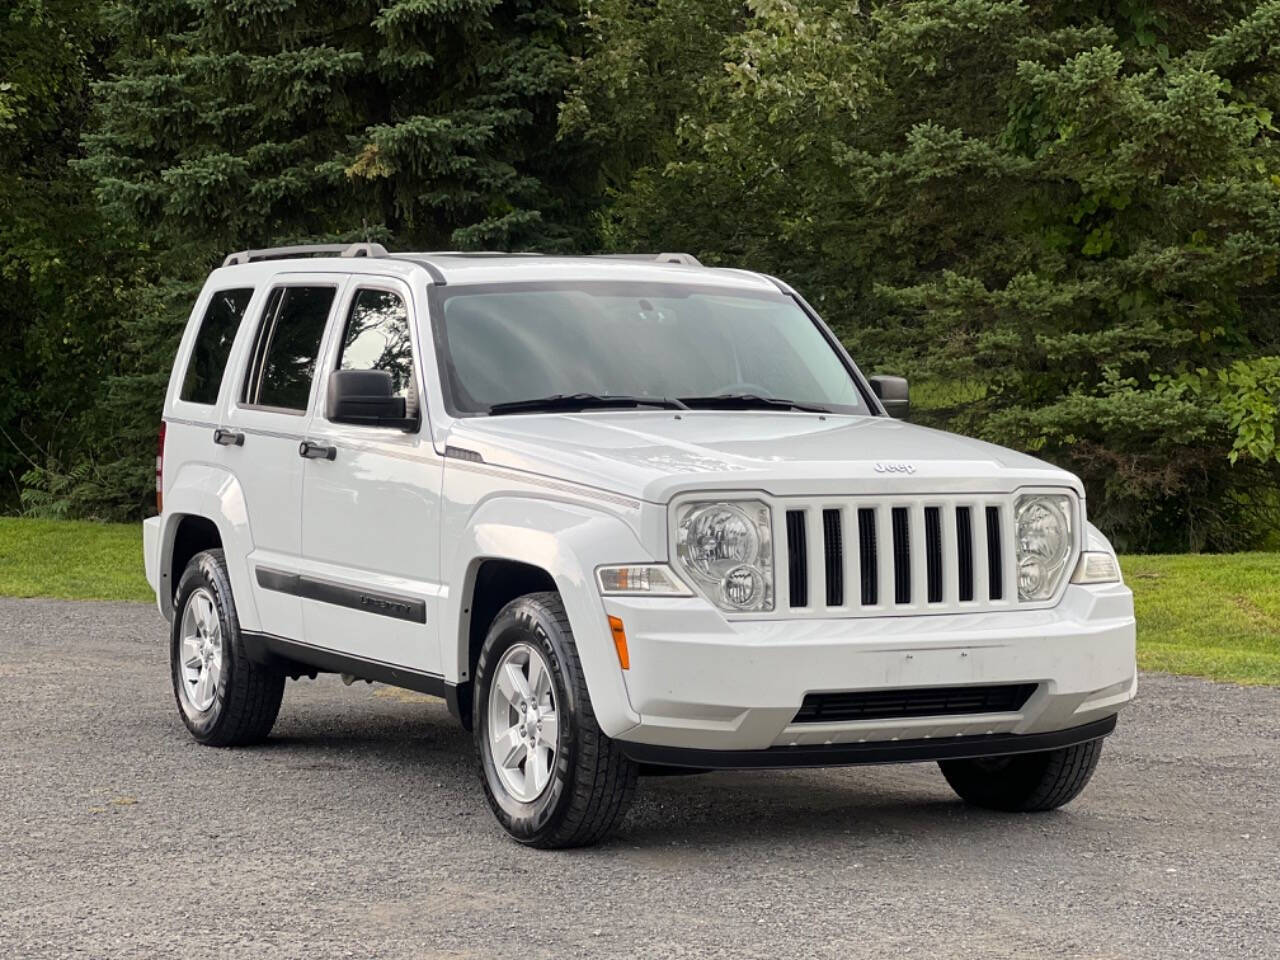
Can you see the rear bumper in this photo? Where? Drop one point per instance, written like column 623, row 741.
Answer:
column 700, row 682
column 884, row 751
column 151, row 530
column 155, row 561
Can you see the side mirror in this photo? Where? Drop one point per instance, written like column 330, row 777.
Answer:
column 893, row 395
column 364, row 397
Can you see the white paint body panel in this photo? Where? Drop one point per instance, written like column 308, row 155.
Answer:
column 571, row 492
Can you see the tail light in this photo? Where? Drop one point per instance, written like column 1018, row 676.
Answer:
column 160, row 470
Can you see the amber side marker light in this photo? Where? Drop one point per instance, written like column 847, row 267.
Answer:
column 620, row 642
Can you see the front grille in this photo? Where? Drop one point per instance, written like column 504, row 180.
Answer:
column 913, row 702
column 866, row 556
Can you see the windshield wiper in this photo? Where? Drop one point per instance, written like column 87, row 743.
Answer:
column 584, row 401
column 747, row 401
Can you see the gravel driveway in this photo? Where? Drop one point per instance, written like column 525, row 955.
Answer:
column 360, row 831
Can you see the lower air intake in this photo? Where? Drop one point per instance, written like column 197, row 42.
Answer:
column 913, row 702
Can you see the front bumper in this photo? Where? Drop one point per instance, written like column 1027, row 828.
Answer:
column 700, row 682
column 877, row 751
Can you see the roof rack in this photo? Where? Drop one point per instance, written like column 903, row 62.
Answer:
column 685, row 259
column 306, row 250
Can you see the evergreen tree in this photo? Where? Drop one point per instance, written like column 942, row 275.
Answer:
column 63, row 273
column 1063, row 217
column 424, row 124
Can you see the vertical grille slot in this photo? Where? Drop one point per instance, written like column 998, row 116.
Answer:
column 833, row 542
column 867, row 555
column 964, row 552
column 797, row 559
column 995, row 561
column 901, row 556
column 933, row 551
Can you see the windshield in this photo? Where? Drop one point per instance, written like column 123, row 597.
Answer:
column 584, row 345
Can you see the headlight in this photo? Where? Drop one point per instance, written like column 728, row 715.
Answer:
column 1044, row 544
column 727, row 549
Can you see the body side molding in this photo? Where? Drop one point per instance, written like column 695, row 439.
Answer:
column 326, row 591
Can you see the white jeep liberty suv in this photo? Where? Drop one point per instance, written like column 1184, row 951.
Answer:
column 623, row 514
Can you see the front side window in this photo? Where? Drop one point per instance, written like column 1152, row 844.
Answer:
column 284, row 356
column 505, row 344
column 377, row 338
column 213, row 345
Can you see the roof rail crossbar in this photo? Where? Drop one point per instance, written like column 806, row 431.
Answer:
column 686, row 259
column 306, row 250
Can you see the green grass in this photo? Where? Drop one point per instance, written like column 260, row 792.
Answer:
column 1209, row 616
column 73, row 560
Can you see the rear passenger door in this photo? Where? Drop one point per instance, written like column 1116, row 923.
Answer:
column 371, row 505
column 264, row 428
column 193, row 415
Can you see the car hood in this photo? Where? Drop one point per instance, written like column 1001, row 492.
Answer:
column 652, row 455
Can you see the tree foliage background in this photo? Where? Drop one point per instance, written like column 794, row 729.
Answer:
column 1061, row 219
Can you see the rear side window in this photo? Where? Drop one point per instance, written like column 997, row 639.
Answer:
column 284, row 355
column 213, row 345
column 377, row 338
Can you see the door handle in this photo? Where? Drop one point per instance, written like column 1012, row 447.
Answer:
column 228, row 438
column 317, row 451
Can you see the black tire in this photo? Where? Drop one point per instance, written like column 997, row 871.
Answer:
column 247, row 697
column 1026, row 782
column 592, row 782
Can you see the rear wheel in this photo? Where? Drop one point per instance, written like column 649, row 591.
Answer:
column 224, row 698
column 552, row 778
column 1026, row 782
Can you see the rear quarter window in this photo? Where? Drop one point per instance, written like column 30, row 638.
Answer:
column 209, row 356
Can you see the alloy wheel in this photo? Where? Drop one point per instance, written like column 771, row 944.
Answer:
column 201, row 651
column 524, row 727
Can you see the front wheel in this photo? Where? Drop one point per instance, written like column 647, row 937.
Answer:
column 552, row 778
column 1025, row 782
